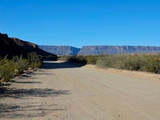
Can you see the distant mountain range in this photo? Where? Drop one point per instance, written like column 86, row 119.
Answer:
column 16, row 47
column 97, row 50
column 60, row 50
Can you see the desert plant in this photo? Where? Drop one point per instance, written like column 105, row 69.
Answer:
column 20, row 64
column 137, row 62
column 6, row 70
column 10, row 68
column 34, row 60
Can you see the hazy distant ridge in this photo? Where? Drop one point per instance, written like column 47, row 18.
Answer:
column 97, row 50
column 60, row 50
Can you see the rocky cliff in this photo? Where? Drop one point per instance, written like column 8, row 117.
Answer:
column 60, row 50
column 14, row 46
column 96, row 50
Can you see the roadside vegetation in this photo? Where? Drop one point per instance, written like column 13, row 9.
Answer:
column 9, row 68
column 136, row 62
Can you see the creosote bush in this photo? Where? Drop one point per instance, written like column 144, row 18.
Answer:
column 137, row 62
column 9, row 68
column 80, row 59
column 20, row 64
column 34, row 60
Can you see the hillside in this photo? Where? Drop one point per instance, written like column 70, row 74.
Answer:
column 60, row 50
column 14, row 46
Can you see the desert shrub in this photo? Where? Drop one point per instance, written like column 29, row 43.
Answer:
column 109, row 61
column 131, row 62
column 34, row 60
column 76, row 59
column 6, row 69
column 91, row 59
column 152, row 63
column 20, row 64
column 9, row 68
column 103, row 61
column 80, row 59
column 64, row 58
column 138, row 62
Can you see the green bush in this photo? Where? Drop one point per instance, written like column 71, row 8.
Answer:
column 6, row 70
column 64, row 58
column 152, row 64
column 76, row 59
column 9, row 68
column 137, row 62
column 34, row 60
column 80, row 59
column 91, row 59
column 20, row 64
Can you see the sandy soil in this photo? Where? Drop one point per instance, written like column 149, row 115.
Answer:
column 63, row 91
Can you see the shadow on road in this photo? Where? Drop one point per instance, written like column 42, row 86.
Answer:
column 27, row 111
column 59, row 65
column 27, row 82
column 30, row 108
column 37, row 92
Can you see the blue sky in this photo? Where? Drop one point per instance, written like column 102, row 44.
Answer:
column 82, row 22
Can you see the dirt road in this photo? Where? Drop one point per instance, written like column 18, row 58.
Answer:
column 63, row 91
